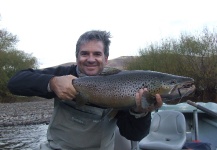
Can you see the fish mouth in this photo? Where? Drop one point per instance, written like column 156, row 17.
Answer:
column 179, row 91
column 189, row 86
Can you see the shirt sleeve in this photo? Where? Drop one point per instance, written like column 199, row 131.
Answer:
column 133, row 128
column 32, row 82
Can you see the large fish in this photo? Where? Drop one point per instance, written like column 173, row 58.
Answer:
column 118, row 89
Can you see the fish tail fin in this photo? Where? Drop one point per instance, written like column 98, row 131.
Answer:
column 147, row 100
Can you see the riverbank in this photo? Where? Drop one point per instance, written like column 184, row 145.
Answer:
column 26, row 113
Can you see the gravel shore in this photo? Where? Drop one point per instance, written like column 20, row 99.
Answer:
column 26, row 113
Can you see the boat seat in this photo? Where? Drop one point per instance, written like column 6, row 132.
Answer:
column 167, row 132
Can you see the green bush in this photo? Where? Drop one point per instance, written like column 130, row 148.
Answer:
column 189, row 55
column 11, row 61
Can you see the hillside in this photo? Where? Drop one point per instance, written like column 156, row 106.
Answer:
column 118, row 63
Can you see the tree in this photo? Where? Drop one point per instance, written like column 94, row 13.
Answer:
column 189, row 55
column 11, row 61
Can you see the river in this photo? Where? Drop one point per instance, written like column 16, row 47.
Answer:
column 22, row 137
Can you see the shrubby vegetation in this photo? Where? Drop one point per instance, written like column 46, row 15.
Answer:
column 189, row 55
column 11, row 61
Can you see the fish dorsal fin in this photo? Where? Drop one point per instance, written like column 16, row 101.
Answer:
column 109, row 71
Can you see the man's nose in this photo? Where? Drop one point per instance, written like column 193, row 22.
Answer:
column 91, row 58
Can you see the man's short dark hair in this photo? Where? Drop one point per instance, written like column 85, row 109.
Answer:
column 98, row 35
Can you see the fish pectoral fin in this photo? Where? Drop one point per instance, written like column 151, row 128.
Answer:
column 109, row 71
column 80, row 101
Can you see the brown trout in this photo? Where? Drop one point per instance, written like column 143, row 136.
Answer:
column 118, row 90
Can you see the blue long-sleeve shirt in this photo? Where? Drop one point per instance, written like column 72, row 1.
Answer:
column 32, row 82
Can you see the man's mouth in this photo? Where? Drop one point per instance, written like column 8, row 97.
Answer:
column 91, row 67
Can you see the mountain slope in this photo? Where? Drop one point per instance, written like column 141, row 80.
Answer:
column 118, row 63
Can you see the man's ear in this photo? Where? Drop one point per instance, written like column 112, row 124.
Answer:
column 106, row 60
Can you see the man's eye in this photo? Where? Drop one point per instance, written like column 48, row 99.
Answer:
column 83, row 53
column 98, row 54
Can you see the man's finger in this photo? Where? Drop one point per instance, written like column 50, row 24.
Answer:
column 137, row 99
column 159, row 101
column 73, row 91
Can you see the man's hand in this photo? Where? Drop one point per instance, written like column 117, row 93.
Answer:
column 139, row 108
column 62, row 87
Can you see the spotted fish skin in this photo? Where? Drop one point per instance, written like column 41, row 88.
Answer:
column 118, row 90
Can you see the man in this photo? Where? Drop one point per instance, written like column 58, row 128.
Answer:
column 88, row 127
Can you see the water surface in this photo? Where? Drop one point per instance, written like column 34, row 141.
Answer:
column 22, row 137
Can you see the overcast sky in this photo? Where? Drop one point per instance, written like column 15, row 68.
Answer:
column 49, row 29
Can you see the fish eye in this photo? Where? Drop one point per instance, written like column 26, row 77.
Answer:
column 173, row 82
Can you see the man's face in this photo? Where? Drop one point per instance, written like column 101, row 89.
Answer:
column 91, row 58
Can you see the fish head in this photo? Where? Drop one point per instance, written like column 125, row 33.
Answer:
column 175, row 87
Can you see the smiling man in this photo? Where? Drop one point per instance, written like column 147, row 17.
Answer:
column 91, row 58
column 89, row 127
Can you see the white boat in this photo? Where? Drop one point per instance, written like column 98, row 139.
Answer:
column 199, row 129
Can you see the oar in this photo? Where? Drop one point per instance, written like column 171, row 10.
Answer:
column 204, row 109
